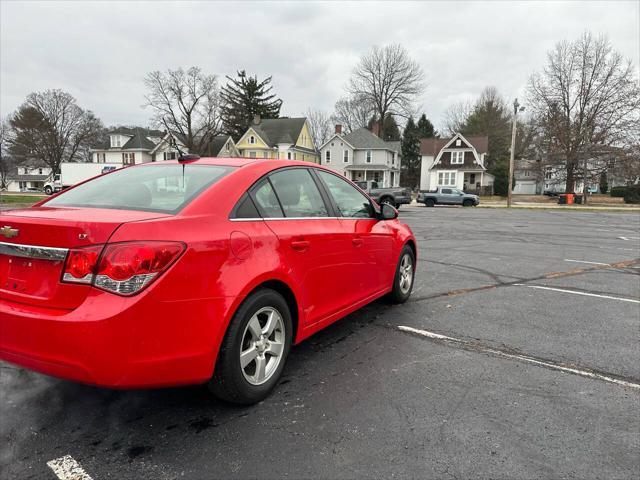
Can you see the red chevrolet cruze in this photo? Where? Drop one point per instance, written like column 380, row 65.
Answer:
column 193, row 271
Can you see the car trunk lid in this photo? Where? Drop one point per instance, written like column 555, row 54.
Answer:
column 34, row 243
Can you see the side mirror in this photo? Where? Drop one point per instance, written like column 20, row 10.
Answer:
column 387, row 212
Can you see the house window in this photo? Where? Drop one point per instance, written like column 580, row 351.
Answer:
column 288, row 155
column 548, row 173
column 100, row 157
column 265, row 154
column 368, row 156
column 169, row 155
column 393, row 158
column 252, row 139
column 457, row 158
column 345, row 156
column 116, row 141
column 458, row 143
column 252, row 154
column 446, row 178
column 327, row 156
column 527, row 173
column 128, row 158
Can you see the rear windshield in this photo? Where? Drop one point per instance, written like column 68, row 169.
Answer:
column 157, row 188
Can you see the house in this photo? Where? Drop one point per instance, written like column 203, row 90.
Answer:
column 361, row 155
column 455, row 162
column 219, row 146
column 127, row 146
column 529, row 177
column 284, row 138
column 30, row 176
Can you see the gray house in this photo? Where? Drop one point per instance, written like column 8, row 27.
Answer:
column 361, row 155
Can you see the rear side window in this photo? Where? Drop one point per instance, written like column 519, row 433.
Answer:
column 350, row 202
column 298, row 193
column 267, row 201
column 446, row 190
column 157, row 188
column 246, row 208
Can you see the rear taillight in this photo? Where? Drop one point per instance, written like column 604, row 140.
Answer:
column 81, row 264
column 123, row 268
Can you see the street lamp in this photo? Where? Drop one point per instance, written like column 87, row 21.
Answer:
column 516, row 108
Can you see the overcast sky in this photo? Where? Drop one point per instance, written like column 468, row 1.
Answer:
column 100, row 51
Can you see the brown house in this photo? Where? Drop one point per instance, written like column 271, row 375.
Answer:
column 455, row 162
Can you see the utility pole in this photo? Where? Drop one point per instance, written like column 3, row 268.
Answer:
column 516, row 108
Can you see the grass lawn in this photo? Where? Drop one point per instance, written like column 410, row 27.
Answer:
column 19, row 198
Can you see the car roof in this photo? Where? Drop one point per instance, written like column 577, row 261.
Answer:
column 237, row 162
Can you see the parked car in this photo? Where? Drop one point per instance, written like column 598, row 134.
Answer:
column 395, row 196
column 447, row 196
column 118, row 283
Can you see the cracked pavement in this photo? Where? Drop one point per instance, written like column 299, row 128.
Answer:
column 363, row 399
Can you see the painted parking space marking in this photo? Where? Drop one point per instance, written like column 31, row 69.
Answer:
column 575, row 292
column 475, row 346
column 584, row 261
column 66, row 468
column 629, row 238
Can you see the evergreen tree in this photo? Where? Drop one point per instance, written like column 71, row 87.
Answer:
column 242, row 99
column 604, row 182
column 410, row 155
column 390, row 130
column 426, row 128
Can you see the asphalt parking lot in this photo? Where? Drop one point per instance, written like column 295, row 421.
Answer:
column 518, row 357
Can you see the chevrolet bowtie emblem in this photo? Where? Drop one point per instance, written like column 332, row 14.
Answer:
column 9, row 232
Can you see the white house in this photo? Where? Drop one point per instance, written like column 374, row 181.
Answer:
column 127, row 146
column 26, row 177
column 361, row 155
column 455, row 162
column 219, row 146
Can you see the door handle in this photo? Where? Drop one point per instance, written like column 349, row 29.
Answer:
column 357, row 241
column 300, row 245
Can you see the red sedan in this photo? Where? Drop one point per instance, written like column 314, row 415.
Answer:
column 196, row 271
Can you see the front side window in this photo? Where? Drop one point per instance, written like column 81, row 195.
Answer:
column 457, row 158
column 350, row 202
column 298, row 193
column 158, row 188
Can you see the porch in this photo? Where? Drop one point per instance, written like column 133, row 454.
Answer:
column 383, row 175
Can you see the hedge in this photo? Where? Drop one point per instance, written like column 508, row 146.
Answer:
column 632, row 194
column 618, row 191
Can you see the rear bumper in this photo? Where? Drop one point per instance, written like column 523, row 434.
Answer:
column 114, row 341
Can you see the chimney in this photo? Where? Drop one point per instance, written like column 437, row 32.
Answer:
column 256, row 119
column 338, row 129
column 375, row 129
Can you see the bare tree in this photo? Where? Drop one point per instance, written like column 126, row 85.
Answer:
column 188, row 102
column 51, row 128
column 352, row 113
column 6, row 162
column 320, row 125
column 455, row 117
column 586, row 98
column 389, row 80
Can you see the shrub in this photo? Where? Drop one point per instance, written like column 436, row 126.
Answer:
column 618, row 191
column 604, row 183
column 632, row 194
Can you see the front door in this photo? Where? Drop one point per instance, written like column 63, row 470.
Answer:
column 372, row 267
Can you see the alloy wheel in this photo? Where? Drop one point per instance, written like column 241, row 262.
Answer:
column 262, row 345
column 406, row 273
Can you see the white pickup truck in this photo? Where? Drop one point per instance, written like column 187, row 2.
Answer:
column 72, row 173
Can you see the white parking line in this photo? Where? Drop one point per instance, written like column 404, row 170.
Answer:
column 621, row 299
column 520, row 357
column 66, row 468
column 583, row 261
column 629, row 238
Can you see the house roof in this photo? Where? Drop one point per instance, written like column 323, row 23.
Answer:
column 217, row 143
column 363, row 138
column 432, row 146
column 279, row 130
column 139, row 138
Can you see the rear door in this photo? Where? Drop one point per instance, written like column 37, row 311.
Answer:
column 312, row 244
column 371, row 240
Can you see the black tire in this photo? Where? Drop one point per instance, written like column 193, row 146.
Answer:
column 387, row 200
column 429, row 202
column 48, row 190
column 468, row 203
column 400, row 294
column 228, row 381
column 397, row 205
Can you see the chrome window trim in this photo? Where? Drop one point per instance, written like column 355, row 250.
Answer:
column 33, row 251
